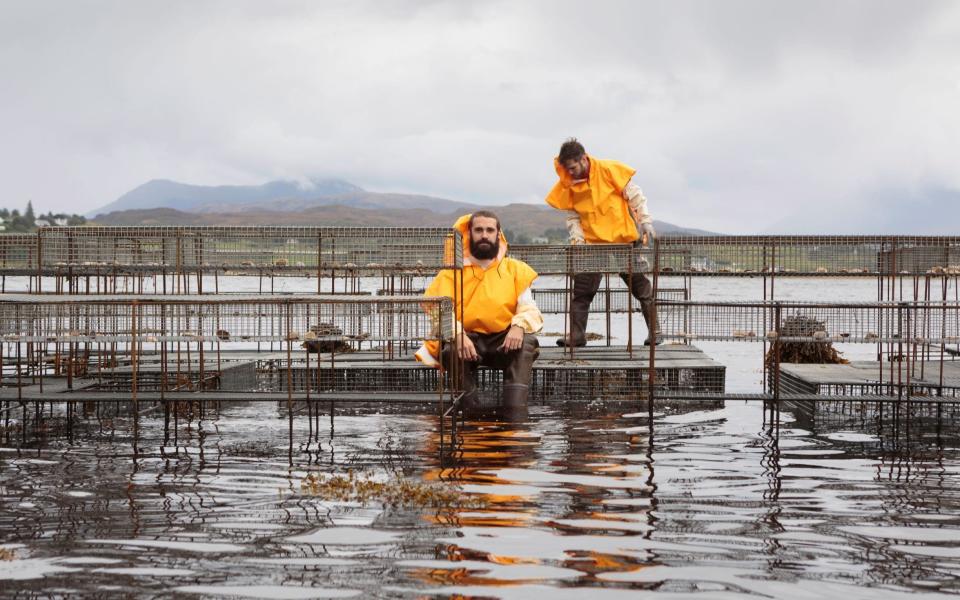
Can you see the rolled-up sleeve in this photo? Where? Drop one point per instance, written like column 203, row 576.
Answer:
column 637, row 203
column 528, row 315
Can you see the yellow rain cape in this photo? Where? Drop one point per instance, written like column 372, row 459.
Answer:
column 489, row 301
column 604, row 214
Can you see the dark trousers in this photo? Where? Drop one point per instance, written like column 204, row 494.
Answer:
column 585, row 286
column 516, row 365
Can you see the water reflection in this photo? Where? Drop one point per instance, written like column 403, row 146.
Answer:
column 708, row 503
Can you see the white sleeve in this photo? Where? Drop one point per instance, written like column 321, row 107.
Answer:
column 528, row 315
column 574, row 228
column 637, row 203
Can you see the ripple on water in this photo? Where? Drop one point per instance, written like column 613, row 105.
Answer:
column 32, row 568
column 201, row 547
column 144, row 571
column 912, row 534
column 274, row 592
column 579, row 506
column 495, row 571
column 347, row 536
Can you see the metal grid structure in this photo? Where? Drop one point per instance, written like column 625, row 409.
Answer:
column 588, row 258
column 612, row 299
column 222, row 319
column 837, row 412
column 601, row 373
column 911, row 337
column 809, row 255
column 869, row 322
column 247, row 249
column 554, row 300
column 307, row 249
column 18, row 253
column 917, row 378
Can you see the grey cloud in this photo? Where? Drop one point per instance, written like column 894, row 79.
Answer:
column 734, row 113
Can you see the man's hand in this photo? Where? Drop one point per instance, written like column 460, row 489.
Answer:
column 648, row 233
column 513, row 341
column 465, row 348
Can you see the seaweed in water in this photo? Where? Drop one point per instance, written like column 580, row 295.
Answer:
column 398, row 492
column 820, row 353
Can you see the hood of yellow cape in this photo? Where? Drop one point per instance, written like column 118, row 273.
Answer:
column 463, row 226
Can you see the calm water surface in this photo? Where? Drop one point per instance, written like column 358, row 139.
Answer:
column 581, row 501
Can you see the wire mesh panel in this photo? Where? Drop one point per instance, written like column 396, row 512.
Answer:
column 299, row 249
column 931, row 378
column 18, row 252
column 609, row 373
column 244, row 249
column 421, row 250
column 127, row 247
column 816, row 322
column 557, row 300
column 27, row 318
column 809, row 255
column 587, row 258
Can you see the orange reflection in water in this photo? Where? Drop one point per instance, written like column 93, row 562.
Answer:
column 484, row 450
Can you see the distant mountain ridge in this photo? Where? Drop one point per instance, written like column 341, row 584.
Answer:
column 331, row 202
column 285, row 196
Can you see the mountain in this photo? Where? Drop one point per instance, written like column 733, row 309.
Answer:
column 328, row 202
column 527, row 219
column 278, row 195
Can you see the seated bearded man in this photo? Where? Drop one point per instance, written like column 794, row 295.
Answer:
column 497, row 317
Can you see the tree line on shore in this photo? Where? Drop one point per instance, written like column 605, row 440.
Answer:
column 13, row 221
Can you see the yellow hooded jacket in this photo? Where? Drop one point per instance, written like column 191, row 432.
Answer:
column 490, row 296
column 604, row 213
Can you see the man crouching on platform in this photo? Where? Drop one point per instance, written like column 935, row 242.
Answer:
column 498, row 318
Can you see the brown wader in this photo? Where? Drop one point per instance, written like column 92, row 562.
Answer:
column 516, row 365
column 585, row 286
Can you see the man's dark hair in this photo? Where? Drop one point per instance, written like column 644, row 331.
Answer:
column 570, row 150
column 484, row 213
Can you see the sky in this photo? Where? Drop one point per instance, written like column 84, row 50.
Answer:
column 739, row 116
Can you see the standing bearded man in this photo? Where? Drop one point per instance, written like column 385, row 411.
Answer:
column 603, row 206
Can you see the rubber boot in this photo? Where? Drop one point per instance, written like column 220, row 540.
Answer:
column 653, row 325
column 585, row 287
column 515, row 401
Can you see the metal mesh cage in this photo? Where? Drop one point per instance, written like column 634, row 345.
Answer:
column 223, row 319
column 426, row 250
column 809, row 255
column 588, row 258
column 18, row 252
column 915, row 322
column 277, row 249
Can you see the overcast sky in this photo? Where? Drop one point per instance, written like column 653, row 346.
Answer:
column 747, row 116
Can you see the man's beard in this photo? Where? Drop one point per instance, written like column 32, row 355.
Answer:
column 484, row 250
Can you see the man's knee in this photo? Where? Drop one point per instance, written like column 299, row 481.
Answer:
column 522, row 361
column 585, row 286
column 531, row 344
column 586, row 282
column 640, row 286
